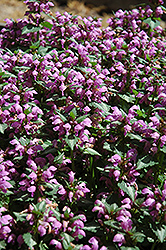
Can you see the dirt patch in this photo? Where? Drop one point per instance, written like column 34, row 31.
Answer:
column 15, row 9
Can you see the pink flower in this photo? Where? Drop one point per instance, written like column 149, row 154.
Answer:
column 94, row 243
column 56, row 243
column 71, row 176
column 41, row 230
column 31, row 189
column 87, row 122
column 115, row 159
column 119, row 238
column 116, row 173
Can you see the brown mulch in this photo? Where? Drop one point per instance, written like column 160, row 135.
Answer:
column 16, row 8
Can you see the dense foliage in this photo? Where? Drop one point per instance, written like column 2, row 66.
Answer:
column 83, row 131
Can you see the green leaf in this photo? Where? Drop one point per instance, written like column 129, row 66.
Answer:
column 163, row 7
column 145, row 162
column 129, row 248
column 129, row 99
column 77, row 247
column 112, row 224
column 134, row 136
column 111, row 208
column 107, row 146
column 67, row 237
column 46, row 144
column 54, row 188
column 8, row 74
column 57, row 214
column 42, row 50
column 34, row 46
column 158, row 108
column 49, row 151
column 29, row 240
column 30, row 29
column 59, row 158
column 22, row 68
column 63, row 118
column 2, row 244
column 153, row 24
column 91, row 151
column 65, row 244
column 73, row 113
column 163, row 149
column 161, row 233
column 92, row 229
column 75, row 218
column 33, row 1
column 127, row 189
column 41, row 206
column 20, row 217
column 81, row 118
column 139, row 237
column 24, row 142
column 42, row 246
column 42, row 84
column 140, row 113
column 46, row 24
column 73, row 40
column 102, row 106
column 71, row 142
column 3, row 127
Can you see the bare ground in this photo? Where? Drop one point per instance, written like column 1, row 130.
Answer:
column 16, row 8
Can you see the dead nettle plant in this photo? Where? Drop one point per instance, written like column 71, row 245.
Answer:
column 83, row 131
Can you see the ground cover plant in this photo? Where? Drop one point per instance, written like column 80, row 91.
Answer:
column 83, row 131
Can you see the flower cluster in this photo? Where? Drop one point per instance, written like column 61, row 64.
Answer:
column 83, row 130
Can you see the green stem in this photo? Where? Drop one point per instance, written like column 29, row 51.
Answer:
column 153, row 246
column 92, row 172
column 72, row 161
column 91, row 166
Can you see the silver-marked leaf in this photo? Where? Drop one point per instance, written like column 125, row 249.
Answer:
column 30, row 29
column 2, row 244
column 3, row 127
column 29, row 240
column 161, row 233
column 152, row 23
column 91, row 151
column 127, row 189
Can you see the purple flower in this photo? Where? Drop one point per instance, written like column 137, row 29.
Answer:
column 116, row 173
column 115, row 159
column 94, row 242
column 149, row 202
column 56, row 243
column 20, row 240
column 132, row 154
column 148, row 191
column 71, row 176
column 86, row 247
column 31, row 189
column 87, row 122
column 119, row 238
column 41, row 230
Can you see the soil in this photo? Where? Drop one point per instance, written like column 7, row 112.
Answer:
column 16, row 8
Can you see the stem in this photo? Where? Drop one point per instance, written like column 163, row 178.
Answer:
column 72, row 161
column 92, row 172
column 91, row 166
column 153, row 246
